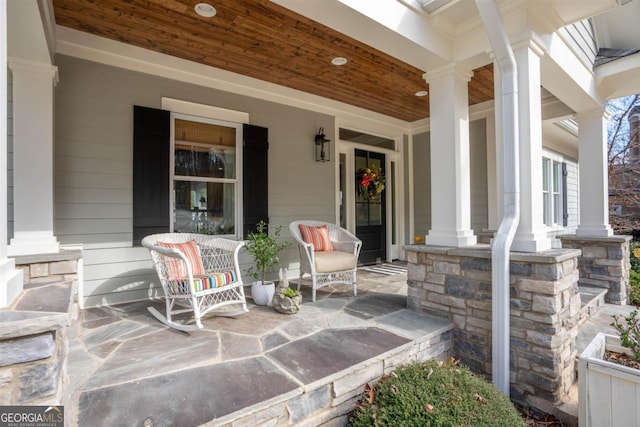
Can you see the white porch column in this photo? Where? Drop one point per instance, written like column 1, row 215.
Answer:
column 33, row 86
column 450, row 163
column 11, row 282
column 594, row 178
column 532, row 234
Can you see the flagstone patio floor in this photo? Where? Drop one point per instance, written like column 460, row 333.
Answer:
column 126, row 368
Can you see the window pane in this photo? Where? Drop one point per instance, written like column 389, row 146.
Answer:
column 556, row 208
column 545, row 207
column 375, row 213
column 204, row 207
column 363, row 138
column 362, row 214
column 195, row 160
column 203, row 149
column 556, row 175
column 545, row 174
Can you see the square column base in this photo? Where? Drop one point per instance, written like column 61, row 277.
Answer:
column 31, row 243
column 455, row 239
column 531, row 243
column 594, row 231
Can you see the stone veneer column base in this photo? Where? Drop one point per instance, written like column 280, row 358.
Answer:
column 604, row 264
column 545, row 305
column 34, row 331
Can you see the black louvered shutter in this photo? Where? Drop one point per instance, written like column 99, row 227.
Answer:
column 255, row 168
column 151, row 144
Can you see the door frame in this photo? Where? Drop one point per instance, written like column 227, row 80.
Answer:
column 394, row 185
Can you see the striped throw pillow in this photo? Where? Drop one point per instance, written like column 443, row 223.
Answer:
column 175, row 267
column 318, row 236
column 202, row 283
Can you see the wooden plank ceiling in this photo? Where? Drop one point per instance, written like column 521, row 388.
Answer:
column 260, row 39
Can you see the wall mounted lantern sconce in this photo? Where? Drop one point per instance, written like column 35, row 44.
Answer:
column 322, row 146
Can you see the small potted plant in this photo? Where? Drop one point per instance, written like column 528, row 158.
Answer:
column 286, row 300
column 265, row 249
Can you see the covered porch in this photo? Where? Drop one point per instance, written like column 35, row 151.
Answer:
column 263, row 367
column 445, row 182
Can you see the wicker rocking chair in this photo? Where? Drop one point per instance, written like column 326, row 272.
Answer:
column 328, row 253
column 199, row 273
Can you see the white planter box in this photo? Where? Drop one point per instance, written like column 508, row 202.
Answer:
column 608, row 393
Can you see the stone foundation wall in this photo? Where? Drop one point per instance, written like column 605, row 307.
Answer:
column 604, row 263
column 329, row 403
column 545, row 306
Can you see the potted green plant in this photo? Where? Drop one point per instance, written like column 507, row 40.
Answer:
column 265, row 249
column 286, row 300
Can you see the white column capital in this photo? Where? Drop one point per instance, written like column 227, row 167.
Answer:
column 447, row 70
column 595, row 113
column 531, row 41
column 19, row 64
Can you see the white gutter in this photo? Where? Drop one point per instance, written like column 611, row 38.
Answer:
column 507, row 230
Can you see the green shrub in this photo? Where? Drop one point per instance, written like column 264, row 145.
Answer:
column 629, row 332
column 634, row 288
column 434, row 394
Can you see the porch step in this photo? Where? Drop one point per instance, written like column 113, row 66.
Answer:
column 592, row 300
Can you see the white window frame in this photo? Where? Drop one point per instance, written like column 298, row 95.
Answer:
column 553, row 214
column 237, row 193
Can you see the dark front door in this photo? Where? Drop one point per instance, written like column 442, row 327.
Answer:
column 370, row 210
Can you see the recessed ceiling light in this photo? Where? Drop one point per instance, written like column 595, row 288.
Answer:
column 205, row 9
column 339, row 60
column 422, row 93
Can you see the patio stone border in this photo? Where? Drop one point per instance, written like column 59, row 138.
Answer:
column 332, row 398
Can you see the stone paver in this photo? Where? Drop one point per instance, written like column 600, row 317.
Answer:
column 51, row 297
column 187, row 398
column 332, row 350
column 411, row 324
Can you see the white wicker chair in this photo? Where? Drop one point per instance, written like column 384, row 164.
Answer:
column 220, row 285
column 346, row 249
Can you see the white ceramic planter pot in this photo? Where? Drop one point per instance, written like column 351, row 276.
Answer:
column 608, row 393
column 262, row 294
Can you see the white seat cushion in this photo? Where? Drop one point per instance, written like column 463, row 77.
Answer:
column 328, row 262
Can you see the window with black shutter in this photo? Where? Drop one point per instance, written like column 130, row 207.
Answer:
column 204, row 177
